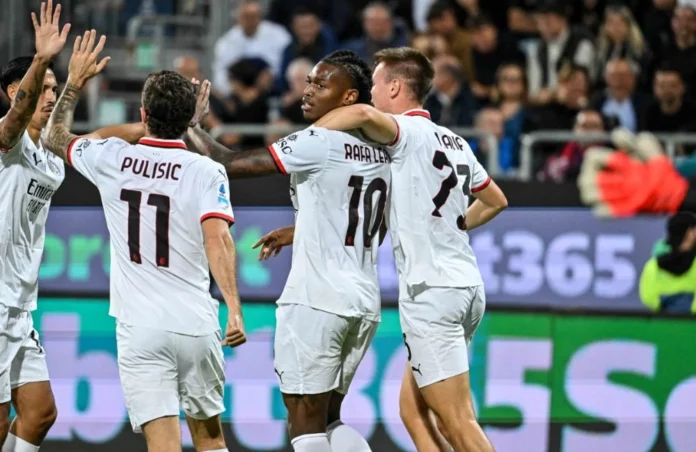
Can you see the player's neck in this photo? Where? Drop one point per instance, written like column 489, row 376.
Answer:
column 34, row 133
column 402, row 107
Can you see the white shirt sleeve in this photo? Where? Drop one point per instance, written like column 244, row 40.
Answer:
column 86, row 155
column 215, row 199
column 302, row 152
column 479, row 176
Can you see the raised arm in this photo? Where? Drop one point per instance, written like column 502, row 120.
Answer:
column 49, row 42
column 238, row 164
column 377, row 126
column 127, row 132
column 83, row 66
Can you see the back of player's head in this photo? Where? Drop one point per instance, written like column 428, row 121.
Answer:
column 169, row 101
column 15, row 70
column 410, row 66
column 357, row 69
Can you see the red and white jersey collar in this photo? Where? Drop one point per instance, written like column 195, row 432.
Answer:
column 160, row 143
column 418, row 112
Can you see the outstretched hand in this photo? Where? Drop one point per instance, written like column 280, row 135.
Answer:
column 274, row 241
column 202, row 101
column 83, row 63
column 50, row 40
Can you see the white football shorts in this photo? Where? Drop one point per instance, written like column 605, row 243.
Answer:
column 163, row 372
column 316, row 351
column 437, row 326
column 22, row 358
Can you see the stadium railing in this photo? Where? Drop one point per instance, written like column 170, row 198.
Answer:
column 530, row 140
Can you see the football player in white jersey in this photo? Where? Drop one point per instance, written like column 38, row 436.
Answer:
column 441, row 296
column 29, row 176
column 329, row 310
column 168, row 214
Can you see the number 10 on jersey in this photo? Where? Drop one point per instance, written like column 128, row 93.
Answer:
column 369, row 231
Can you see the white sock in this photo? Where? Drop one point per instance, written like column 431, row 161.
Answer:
column 16, row 444
column 344, row 438
column 314, row 442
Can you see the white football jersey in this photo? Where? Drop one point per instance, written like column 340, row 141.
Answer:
column 29, row 176
column 155, row 195
column 339, row 186
column 433, row 173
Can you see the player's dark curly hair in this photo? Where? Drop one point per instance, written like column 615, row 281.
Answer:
column 358, row 70
column 15, row 70
column 169, row 101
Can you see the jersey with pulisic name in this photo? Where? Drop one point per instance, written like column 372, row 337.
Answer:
column 155, row 195
column 433, row 173
column 340, row 186
column 29, row 176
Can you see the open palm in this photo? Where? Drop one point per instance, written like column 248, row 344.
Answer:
column 50, row 40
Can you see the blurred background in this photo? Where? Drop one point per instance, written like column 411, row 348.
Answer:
column 567, row 358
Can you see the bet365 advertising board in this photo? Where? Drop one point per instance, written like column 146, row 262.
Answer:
column 541, row 382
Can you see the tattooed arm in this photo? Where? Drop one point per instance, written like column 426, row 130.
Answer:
column 56, row 136
column 27, row 97
column 238, row 164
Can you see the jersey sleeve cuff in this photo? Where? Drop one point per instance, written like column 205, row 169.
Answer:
column 398, row 133
column 277, row 160
column 68, row 155
column 482, row 186
column 222, row 216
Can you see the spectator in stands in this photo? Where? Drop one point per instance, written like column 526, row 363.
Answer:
column 443, row 22
column 251, row 38
column 311, row 39
column 589, row 14
column 671, row 112
column 490, row 48
column 657, row 26
column 621, row 99
column 463, row 11
column 381, row 31
column 431, row 45
column 335, row 14
column 683, row 54
column 248, row 103
column 491, row 120
column 291, row 102
column 565, row 166
column 450, row 103
column 520, row 18
column 620, row 37
column 559, row 45
column 570, row 97
column 510, row 97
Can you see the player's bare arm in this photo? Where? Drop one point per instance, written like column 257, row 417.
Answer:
column 238, row 164
column 83, row 66
column 219, row 247
column 377, row 126
column 274, row 241
column 489, row 203
column 49, row 42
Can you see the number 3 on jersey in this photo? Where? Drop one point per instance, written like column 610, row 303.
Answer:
column 440, row 161
column 162, row 204
column 378, row 184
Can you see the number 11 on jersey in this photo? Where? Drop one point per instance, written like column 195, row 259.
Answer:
column 162, row 204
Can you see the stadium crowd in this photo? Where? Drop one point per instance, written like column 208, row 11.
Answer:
column 506, row 67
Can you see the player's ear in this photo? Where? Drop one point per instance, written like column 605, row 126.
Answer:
column 12, row 91
column 143, row 115
column 351, row 97
column 395, row 87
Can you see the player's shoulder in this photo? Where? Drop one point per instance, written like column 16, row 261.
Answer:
column 111, row 144
column 202, row 166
